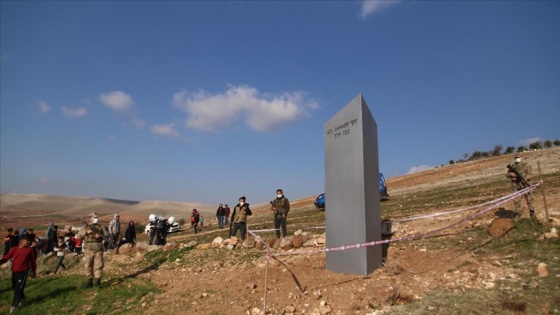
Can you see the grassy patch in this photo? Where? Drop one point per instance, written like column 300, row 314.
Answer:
column 68, row 295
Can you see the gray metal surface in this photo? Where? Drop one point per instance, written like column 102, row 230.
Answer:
column 353, row 211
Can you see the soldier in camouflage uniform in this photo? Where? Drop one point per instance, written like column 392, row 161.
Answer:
column 280, row 206
column 525, row 170
column 93, row 235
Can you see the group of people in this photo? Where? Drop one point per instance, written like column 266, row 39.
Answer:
column 280, row 207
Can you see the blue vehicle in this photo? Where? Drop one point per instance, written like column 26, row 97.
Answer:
column 384, row 195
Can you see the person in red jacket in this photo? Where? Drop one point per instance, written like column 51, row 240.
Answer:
column 24, row 264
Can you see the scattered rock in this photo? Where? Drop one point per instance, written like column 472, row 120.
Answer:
column 552, row 234
column 500, row 226
column 217, row 242
column 297, row 241
column 542, row 270
column 286, row 243
column 127, row 248
column 191, row 244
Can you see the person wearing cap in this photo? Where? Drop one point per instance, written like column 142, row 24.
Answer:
column 93, row 235
column 114, row 232
column 280, row 206
column 525, row 170
column 239, row 218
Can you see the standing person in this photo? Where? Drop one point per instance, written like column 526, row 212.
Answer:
column 220, row 214
column 24, row 264
column 195, row 218
column 228, row 211
column 93, row 235
column 52, row 231
column 201, row 221
column 239, row 218
column 280, row 206
column 114, row 232
column 130, row 233
column 8, row 241
column 524, row 170
column 60, row 248
column 32, row 240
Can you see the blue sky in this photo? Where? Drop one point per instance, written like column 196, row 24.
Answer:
column 208, row 101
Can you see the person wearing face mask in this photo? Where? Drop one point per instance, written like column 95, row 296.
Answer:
column 525, row 170
column 280, row 207
column 239, row 218
column 93, row 236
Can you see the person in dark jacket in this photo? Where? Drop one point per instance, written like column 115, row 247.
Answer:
column 195, row 218
column 130, row 233
column 220, row 215
column 8, row 241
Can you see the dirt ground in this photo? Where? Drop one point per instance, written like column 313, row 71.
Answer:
column 301, row 284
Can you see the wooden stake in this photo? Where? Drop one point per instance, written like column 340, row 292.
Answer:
column 544, row 196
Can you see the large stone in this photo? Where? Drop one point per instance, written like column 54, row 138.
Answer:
column 217, row 242
column 286, row 243
column 309, row 243
column 191, row 244
column 500, row 226
column 249, row 243
column 297, row 241
column 271, row 241
column 126, row 249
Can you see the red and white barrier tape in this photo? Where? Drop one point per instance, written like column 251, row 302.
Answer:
column 498, row 203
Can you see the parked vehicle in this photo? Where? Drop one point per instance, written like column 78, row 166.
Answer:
column 320, row 201
column 173, row 227
column 383, row 194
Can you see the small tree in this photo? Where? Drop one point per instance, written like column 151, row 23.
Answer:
column 497, row 150
column 535, row 145
column 557, row 142
column 509, row 150
column 520, row 148
column 182, row 221
column 548, row 144
column 451, row 162
column 476, row 155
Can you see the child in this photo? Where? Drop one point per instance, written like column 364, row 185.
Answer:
column 60, row 248
column 23, row 259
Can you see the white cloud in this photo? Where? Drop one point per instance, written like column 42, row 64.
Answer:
column 418, row 169
column 74, row 113
column 117, row 101
column 44, row 180
column 371, row 6
column 44, row 107
column 167, row 130
column 262, row 112
column 138, row 123
column 527, row 142
column 111, row 138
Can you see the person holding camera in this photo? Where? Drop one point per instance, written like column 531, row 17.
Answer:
column 280, row 207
